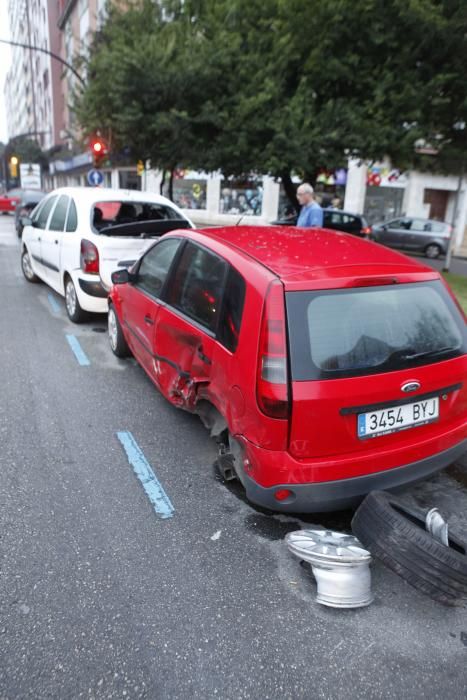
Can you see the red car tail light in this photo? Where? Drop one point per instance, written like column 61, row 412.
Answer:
column 89, row 258
column 272, row 389
column 283, row 494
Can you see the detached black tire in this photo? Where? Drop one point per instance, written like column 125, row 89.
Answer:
column 395, row 533
column 117, row 341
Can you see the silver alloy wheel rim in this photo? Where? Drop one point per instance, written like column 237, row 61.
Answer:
column 432, row 251
column 27, row 267
column 340, row 566
column 70, row 298
column 112, row 321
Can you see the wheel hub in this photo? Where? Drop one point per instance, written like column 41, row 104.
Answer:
column 70, row 297
column 112, row 329
column 340, row 566
column 27, row 266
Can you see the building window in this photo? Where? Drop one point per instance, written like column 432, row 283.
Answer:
column 383, row 203
column 189, row 189
column 241, row 197
column 129, row 180
column 101, row 13
column 84, row 28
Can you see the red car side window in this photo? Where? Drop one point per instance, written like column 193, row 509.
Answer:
column 197, row 285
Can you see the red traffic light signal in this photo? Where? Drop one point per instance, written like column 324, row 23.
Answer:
column 99, row 151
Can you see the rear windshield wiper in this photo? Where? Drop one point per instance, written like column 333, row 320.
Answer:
column 430, row 353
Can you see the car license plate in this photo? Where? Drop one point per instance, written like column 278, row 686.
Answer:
column 390, row 420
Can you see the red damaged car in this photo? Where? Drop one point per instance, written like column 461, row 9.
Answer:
column 326, row 366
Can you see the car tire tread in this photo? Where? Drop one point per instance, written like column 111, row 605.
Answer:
column 405, row 547
column 79, row 315
column 121, row 348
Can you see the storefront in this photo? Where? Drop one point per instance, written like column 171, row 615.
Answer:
column 384, row 195
column 189, row 189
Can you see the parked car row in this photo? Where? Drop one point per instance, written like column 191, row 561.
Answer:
column 324, row 365
column 417, row 235
column 336, row 220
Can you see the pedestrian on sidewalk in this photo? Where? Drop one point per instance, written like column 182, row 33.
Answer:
column 311, row 213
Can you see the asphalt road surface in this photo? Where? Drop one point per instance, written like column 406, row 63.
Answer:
column 101, row 598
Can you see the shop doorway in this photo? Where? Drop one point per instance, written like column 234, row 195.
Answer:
column 438, row 201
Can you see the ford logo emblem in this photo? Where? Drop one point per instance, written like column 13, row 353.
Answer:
column 410, row 386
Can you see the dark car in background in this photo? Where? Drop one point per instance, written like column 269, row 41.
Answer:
column 410, row 233
column 28, row 200
column 337, row 220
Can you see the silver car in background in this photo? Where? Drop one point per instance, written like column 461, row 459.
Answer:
column 410, row 233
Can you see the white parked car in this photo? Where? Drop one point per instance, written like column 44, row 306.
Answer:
column 77, row 236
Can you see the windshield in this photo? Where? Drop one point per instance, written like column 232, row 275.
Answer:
column 378, row 329
column 117, row 213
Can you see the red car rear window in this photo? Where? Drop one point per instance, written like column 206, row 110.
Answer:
column 343, row 333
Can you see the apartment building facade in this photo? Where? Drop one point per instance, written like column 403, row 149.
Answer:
column 33, row 96
column 76, row 23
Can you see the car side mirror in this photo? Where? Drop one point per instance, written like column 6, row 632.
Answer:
column 120, row 276
column 26, row 221
column 384, row 227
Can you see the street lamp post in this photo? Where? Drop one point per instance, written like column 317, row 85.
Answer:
column 49, row 53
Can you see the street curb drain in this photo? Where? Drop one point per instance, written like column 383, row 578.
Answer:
column 339, row 563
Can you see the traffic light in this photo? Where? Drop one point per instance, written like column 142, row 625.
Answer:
column 99, row 151
column 14, row 166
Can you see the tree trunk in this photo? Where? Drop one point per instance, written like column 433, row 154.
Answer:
column 171, row 184
column 161, row 188
column 289, row 188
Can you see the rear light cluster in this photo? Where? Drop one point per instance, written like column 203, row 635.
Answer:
column 272, row 389
column 89, row 258
column 283, row 495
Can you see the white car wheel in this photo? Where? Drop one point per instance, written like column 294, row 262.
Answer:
column 26, row 267
column 117, row 340
column 73, row 308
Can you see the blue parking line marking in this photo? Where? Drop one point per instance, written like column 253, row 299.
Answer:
column 53, row 303
column 80, row 355
column 143, row 470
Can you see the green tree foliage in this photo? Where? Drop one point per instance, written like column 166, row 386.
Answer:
column 142, row 90
column 280, row 86
column 27, row 150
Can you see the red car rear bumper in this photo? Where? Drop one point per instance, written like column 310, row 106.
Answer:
column 312, row 492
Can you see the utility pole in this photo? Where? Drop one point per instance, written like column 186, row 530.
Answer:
column 33, row 92
column 447, row 261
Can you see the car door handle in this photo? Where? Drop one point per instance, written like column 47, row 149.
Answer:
column 56, row 242
column 202, row 356
column 38, row 238
column 148, row 320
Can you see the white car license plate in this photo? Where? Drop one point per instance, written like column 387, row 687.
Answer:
column 390, row 420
